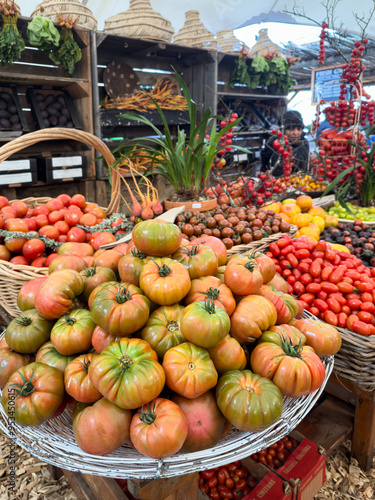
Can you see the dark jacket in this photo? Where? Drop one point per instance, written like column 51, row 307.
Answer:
column 270, row 157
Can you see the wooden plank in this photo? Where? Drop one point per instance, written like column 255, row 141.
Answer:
column 363, row 442
column 104, row 488
column 162, row 489
column 80, row 487
column 329, row 423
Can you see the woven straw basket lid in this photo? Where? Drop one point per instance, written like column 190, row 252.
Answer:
column 193, row 33
column 264, row 46
column 140, row 21
column 73, row 8
column 227, row 42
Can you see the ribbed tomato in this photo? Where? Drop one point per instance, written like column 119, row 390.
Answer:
column 130, row 266
column 253, row 315
column 164, row 281
column 77, row 382
column 94, row 276
column 28, row 331
column 323, row 338
column 10, row 361
column 286, row 306
column 217, row 246
column 228, row 355
column 278, row 284
column 278, row 333
column 242, row 275
column 72, row 333
column 120, row 309
column 162, row 330
column 158, row 429
column 266, row 266
column 296, row 370
column 98, row 289
column 189, row 370
column 67, row 261
column 81, row 249
column 250, row 402
column 50, row 356
column 101, row 339
column 199, row 260
column 156, row 237
column 127, row 373
column 210, row 287
column 27, row 293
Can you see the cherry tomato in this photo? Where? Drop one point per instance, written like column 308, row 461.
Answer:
column 354, row 304
column 306, row 279
column 334, row 306
column 340, row 299
column 214, row 494
column 342, row 319
column 287, row 250
column 346, row 309
column 330, row 318
column 286, row 272
column 337, row 275
column 365, row 287
column 329, row 287
column 241, row 484
column 297, row 273
column 364, row 316
column 326, row 272
column 361, row 328
column 307, row 297
column 298, row 288
column 367, row 297
column 288, row 444
column 313, row 288
column 221, row 477
column 207, row 474
column 291, row 279
column 322, row 295
column 211, row 483
column 281, row 455
column 354, row 296
column 321, row 305
column 315, row 269
column 303, row 267
column 330, row 254
column 367, row 306
column 229, row 483
column 282, row 242
column 274, row 249
column 292, row 259
column 314, row 311
column 302, row 253
column 354, row 275
column 285, row 264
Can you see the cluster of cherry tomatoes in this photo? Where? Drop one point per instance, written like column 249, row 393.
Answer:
column 276, row 455
column 352, row 70
column 333, row 285
column 282, row 147
column 227, row 139
column 231, row 481
column 322, row 36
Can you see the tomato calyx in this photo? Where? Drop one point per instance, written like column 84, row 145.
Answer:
column 138, row 253
column 126, row 362
column 248, row 388
column 193, row 251
column 88, row 272
column 69, row 320
column 23, row 321
column 164, row 271
column 27, row 388
column 149, row 416
column 86, row 364
column 191, row 365
column 212, row 293
column 123, row 295
column 173, row 326
column 209, row 305
column 291, row 350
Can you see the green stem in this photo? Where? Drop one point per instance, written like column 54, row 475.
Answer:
column 123, row 296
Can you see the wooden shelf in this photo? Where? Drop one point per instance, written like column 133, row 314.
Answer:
column 233, row 95
column 110, row 118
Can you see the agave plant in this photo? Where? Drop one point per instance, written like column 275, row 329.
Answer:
column 184, row 161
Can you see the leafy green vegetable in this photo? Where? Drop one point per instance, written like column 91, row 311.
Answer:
column 42, row 33
column 240, row 73
column 11, row 41
column 259, row 64
column 68, row 53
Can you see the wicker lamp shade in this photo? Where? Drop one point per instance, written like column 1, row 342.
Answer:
column 73, row 8
column 265, row 46
column 140, row 21
column 193, row 33
column 227, row 42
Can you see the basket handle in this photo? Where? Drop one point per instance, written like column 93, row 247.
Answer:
column 51, row 134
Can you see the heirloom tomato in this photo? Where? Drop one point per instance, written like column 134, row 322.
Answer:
column 101, row 428
column 29, row 331
column 162, row 330
column 323, row 338
column 253, row 315
column 217, row 246
column 77, row 382
column 101, row 339
column 220, row 273
column 97, row 289
column 276, row 334
column 120, row 309
column 156, row 237
column 81, row 249
column 204, row 324
column 278, row 284
column 286, row 306
column 242, row 275
column 228, row 355
column 127, row 373
column 27, row 293
column 158, row 429
column 199, row 260
column 164, row 281
column 266, row 266
column 33, row 393
column 108, row 258
column 130, row 266
column 189, row 370
column 72, row 333
column 210, row 287
column 57, row 294
column 295, row 369
column 94, row 276
column 10, row 361
column 67, row 261
column 49, row 355
column 249, row 401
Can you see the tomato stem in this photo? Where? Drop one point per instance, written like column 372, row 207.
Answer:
column 193, row 251
column 191, row 366
column 23, row 321
column 69, row 321
column 86, row 364
column 138, row 253
column 89, row 271
column 164, row 271
column 123, row 295
column 209, row 305
column 250, row 265
column 126, row 361
column 27, row 388
column 291, row 350
column 213, row 293
column 173, row 326
column 148, row 417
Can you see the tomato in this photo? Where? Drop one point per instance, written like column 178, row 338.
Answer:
column 307, row 297
column 315, row 269
column 81, row 249
column 189, row 370
column 334, row 305
column 67, row 261
column 10, row 361
column 32, row 394
column 159, row 429
column 108, row 258
column 120, row 309
column 279, row 333
column 330, row 318
column 77, row 382
column 253, row 315
column 127, row 373
column 26, row 295
column 204, row 324
column 164, row 281
column 296, row 371
column 250, row 402
column 242, row 275
column 49, row 355
column 27, row 332
column 266, row 266
column 157, row 237
column 33, row 248
column 364, row 316
column 210, row 287
column 72, row 217
column 130, row 266
column 162, row 330
column 342, row 319
column 78, row 200
column 94, row 276
column 228, row 355
column 313, row 288
column 354, row 304
column 101, row 339
column 72, row 333
column 286, row 306
column 321, row 305
column 57, row 294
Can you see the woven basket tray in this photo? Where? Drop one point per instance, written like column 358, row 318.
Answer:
column 12, row 276
column 193, row 33
column 262, row 244
column 356, row 358
column 53, row 442
column 228, row 43
column 73, row 8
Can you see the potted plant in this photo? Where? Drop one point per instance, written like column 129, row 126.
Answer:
column 186, row 161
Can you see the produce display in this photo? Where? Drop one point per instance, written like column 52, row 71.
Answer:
column 54, row 110
column 9, row 117
column 276, row 455
column 365, row 214
column 333, row 285
column 163, row 376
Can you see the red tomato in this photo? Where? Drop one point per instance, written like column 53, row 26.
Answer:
column 31, row 224
column 79, row 200
column 342, row 319
column 298, row 288
column 76, row 234
column 326, row 273
column 321, row 305
column 55, row 216
column 62, row 227
column 41, row 210
column 19, row 260
column 54, row 204
column 20, row 207
column 367, row 306
column 333, row 305
column 330, row 318
column 306, row 279
column 329, row 287
column 33, row 249
column 39, row 262
column 313, row 288
column 50, row 232
column 308, row 298
column 41, row 220
column 65, row 199
column 322, row 295
column 346, row 309
column 354, row 304
column 364, row 316
column 72, row 217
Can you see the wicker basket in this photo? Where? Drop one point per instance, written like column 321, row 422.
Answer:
column 261, row 245
column 53, row 442
column 74, row 8
column 356, row 358
column 265, row 46
column 228, row 43
column 193, row 33
column 12, row 276
column 140, row 21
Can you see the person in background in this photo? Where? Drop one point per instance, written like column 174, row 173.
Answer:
column 293, row 129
